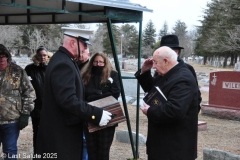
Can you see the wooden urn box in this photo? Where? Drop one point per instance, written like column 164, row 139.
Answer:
column 111, row 105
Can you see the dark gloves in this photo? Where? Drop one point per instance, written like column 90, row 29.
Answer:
column 23, row 121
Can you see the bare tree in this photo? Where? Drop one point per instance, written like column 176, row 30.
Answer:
column 188, row 42
column 36, row 39
column 54, row 44
column 147, row 51
column 97, row 38
column 231, row 41
column 9, row 36
column 81, row 26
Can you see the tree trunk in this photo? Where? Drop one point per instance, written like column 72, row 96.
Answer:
column 235, row 57
column 18, row 53
column 225, row 61
column 218, row 61
column 204, row 60
column 232, row 59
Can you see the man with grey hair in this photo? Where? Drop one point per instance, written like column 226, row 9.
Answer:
column 172, row 126
column 83, row 59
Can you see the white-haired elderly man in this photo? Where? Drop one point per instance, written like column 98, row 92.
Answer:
column 172, row 126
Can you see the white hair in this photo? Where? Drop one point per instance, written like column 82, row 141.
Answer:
column 168, row 53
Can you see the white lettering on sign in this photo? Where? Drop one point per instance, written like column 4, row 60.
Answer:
column 231, row 85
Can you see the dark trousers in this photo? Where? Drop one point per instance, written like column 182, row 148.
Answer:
column 35, row 125
column 99, row 143
column 150, row 158
column 9, row 134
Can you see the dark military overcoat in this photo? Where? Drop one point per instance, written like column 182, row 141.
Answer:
column 63, row 110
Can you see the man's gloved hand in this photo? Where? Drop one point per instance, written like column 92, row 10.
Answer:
column 106, row 117
column 23, row 121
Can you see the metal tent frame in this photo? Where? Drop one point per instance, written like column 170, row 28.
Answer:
column 20, row 12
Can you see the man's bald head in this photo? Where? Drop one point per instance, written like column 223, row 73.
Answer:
column 164, row 59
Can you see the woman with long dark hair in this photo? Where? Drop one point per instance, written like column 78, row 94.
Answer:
column 100, row 80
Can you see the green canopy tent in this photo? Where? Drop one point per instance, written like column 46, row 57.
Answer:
column 27, row 12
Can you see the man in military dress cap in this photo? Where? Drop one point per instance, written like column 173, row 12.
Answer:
column 64, row 109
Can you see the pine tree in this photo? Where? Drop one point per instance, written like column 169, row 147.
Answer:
column 106, row 40
column 129, row 39
column 149, row 35
column 180, row 29
column 163, row 31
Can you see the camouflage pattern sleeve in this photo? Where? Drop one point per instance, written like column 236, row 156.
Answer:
column 27, row 94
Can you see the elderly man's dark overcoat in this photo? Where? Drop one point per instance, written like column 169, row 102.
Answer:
column 172, row 127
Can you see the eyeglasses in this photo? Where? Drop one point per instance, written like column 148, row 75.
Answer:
column 3, row 56
column 98, row 62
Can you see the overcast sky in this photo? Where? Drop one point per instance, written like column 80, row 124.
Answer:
column 188, row 11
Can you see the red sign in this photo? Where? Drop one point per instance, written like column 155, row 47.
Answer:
column 224, row 89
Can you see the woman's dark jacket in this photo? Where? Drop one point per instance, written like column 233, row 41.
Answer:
column 36, row 73
column 95, row 90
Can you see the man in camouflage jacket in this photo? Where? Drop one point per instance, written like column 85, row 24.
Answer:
column 16, row 102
